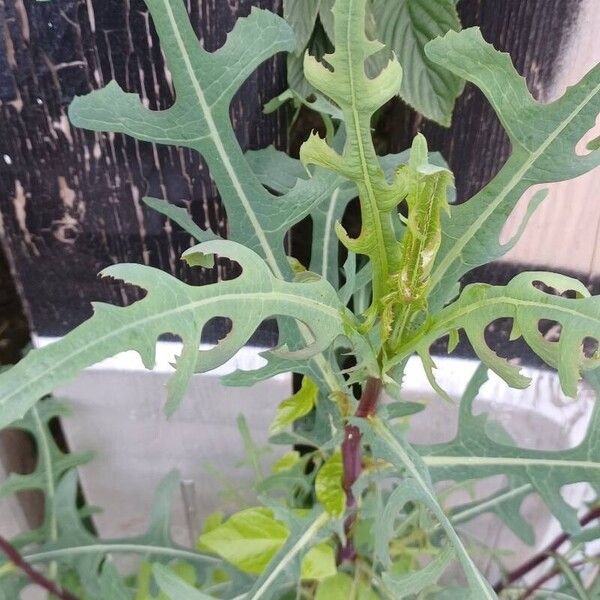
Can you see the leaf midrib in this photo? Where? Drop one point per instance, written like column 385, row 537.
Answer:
column 114, row 547
column 380, row 253
column 490, row 461
column 328, row 231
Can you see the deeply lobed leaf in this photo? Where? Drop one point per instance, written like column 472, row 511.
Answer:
column 359, row 96
column 474, row 454
column 522, row 300
column 171, row 306
column 543, row 139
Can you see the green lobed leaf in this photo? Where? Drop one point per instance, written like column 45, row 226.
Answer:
column 51, row 466
column 171, row 306
column 359, row 96
column 205, row 84
column 473, row 454
column 543, row 139
column 328, row 485
column 301, row 15
column 416, row 487
column 405, row 27
column 300, row 404
column 341, row 587
column 523, row 301
column 251, row 538
column 78, row 548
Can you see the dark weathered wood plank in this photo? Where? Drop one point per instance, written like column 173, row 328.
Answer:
column 70, row 200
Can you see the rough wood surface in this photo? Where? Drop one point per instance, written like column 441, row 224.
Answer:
column 70, row 201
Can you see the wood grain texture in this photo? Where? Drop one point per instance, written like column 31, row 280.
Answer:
column 70, row 200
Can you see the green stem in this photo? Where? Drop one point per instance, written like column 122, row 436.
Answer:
column 46, row 459
column 113, row 548
column 308, row 535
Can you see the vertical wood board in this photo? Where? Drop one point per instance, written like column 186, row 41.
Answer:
column 71, row 200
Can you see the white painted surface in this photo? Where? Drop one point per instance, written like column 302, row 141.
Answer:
column 118, row 414
column 564, row 232
column 540, row 417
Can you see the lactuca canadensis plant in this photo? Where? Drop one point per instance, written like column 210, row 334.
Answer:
column 357, row 514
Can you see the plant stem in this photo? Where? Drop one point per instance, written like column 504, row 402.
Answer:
column 545, row 554
column 352, row 458
column 538, row 583
column 34, row 576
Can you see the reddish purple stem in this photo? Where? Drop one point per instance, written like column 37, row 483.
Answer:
column 34, row 576
column 352, row 459
column 545, row 554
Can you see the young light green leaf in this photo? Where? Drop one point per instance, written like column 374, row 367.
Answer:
column 248, row 539
column 341, row 587
column 251, row 538
column 359, row 96
column 300, row 404
column 473, row 454
column 328, row 485
column 318, row 563
column 416, row 487
column 288, row 564
column 174, row 307
column 405, row 27
column 286, row 462
column 481, row 304
column 543, row 139
column 427, row 199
